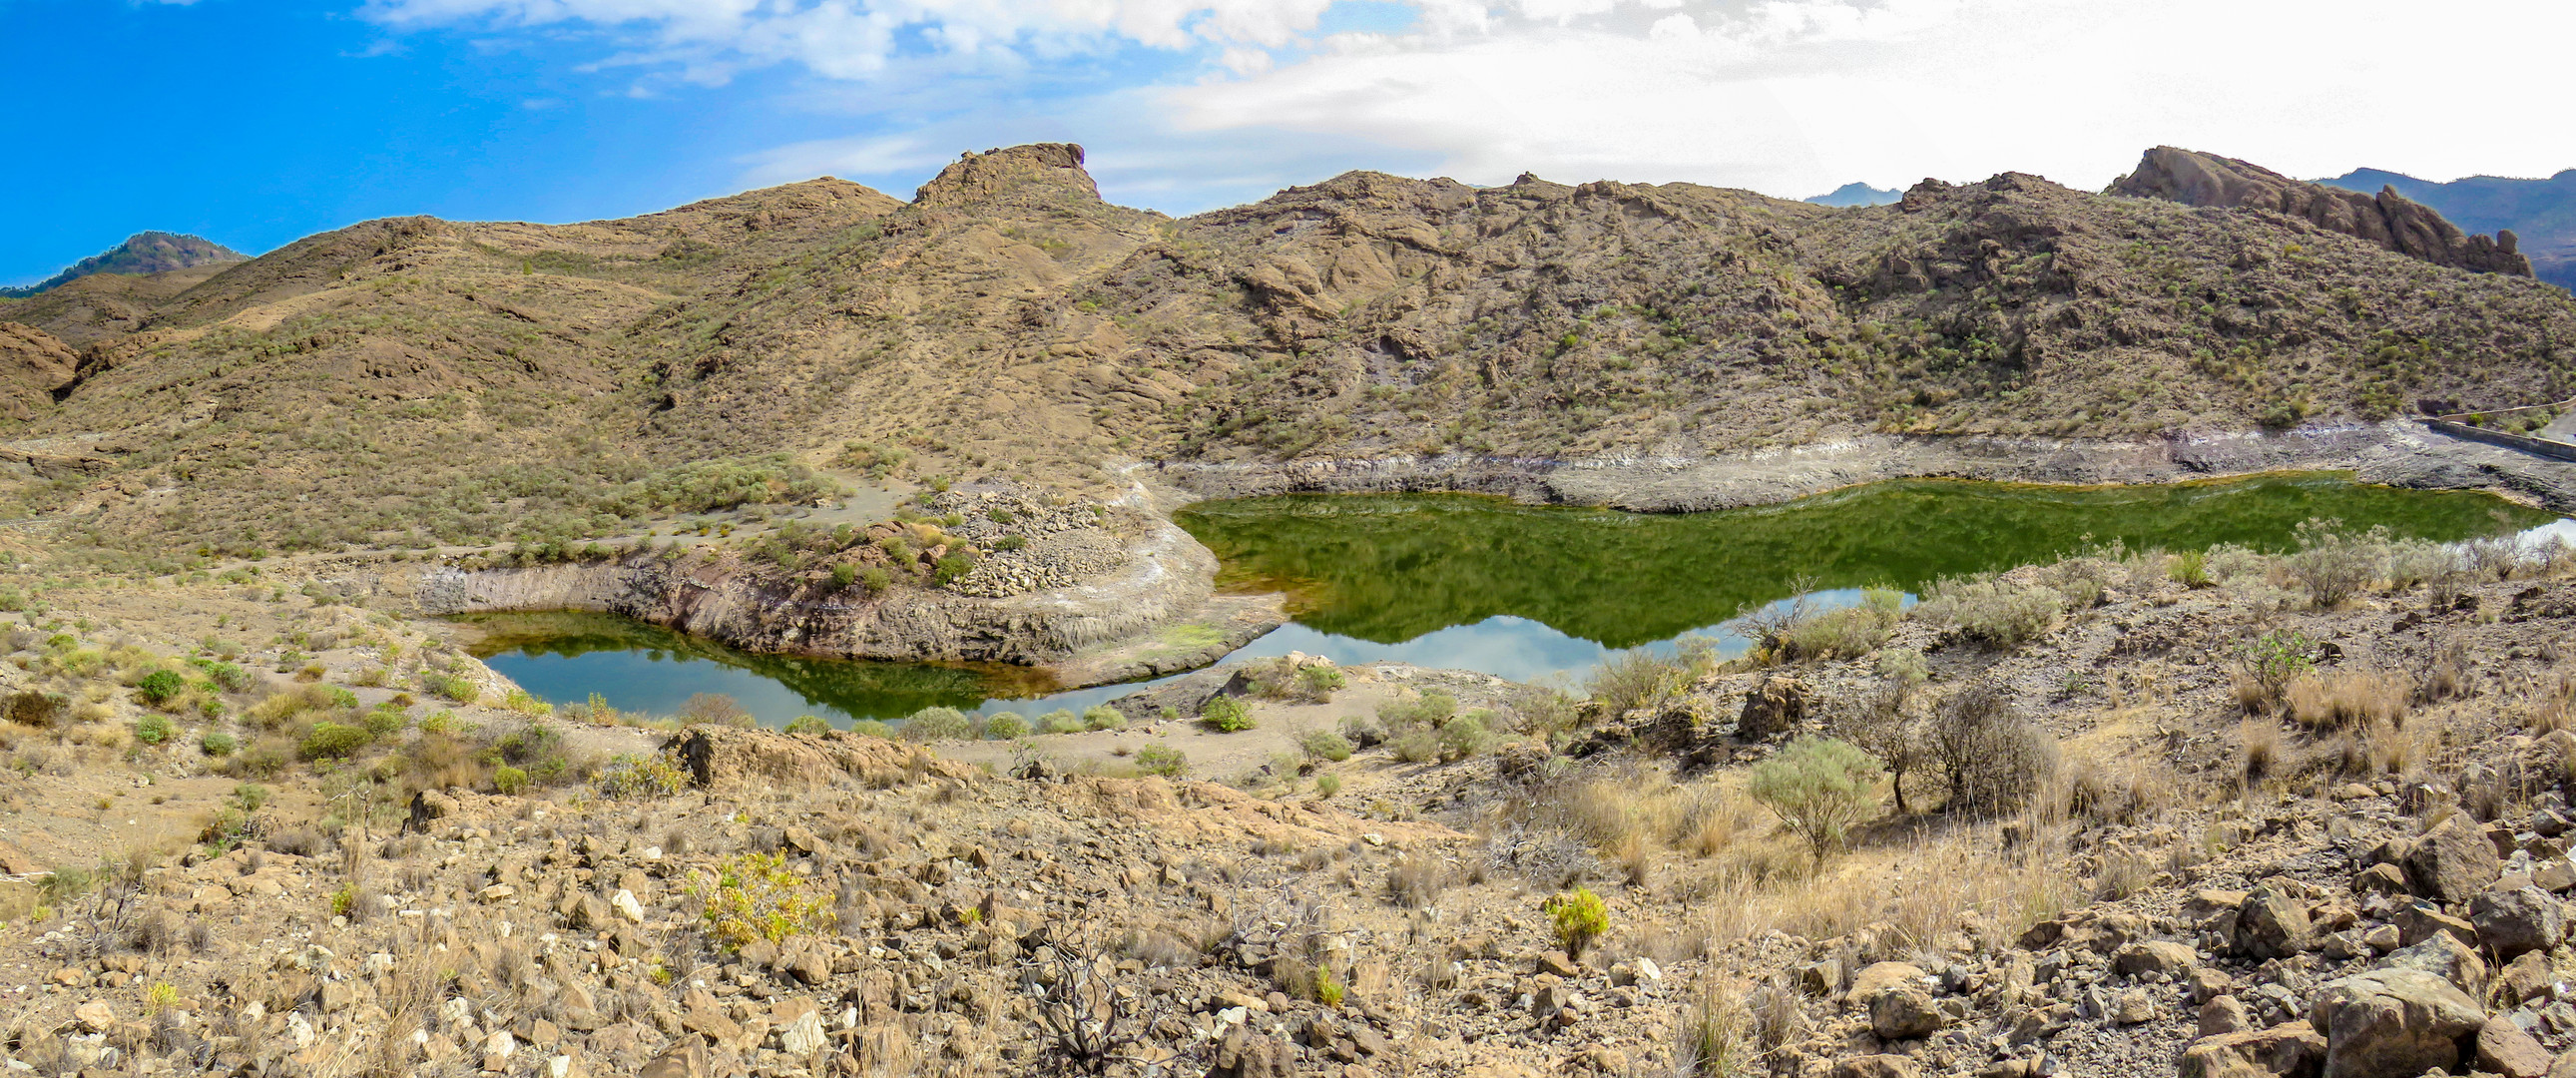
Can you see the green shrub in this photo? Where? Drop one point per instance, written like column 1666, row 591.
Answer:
column 1326, row 745
column 223, row 675
column 1992, row 611
column 1465, row 736
column 1104, row 717
column 954, row 566
column 218, row 743
column 441, row 722
column 1327, row 785
column 530, row 745
column 2189, row 568
column 385, row 722
column 1638, row 678
column 808, row 724
column 521, row 701
column 1429, row 708
column 753, row 897
column 1225, row 714
column 844, row 575
column 1321, row 682
column 938, row 724
column 152, row 729
column 2272, row 661
column 1061, row 721
column 510, row 780
column 1820, row 788
column 872, row 728
column 449, row 686
column 641, row 775
column 1005, row 726
column 2334, row 564
column 1579, row 917
column 1162, row 760
column 1420, row 744
column 250, row 796
column 160, row 687
column 331, row 741
column 1844, row 632
column 876, row 578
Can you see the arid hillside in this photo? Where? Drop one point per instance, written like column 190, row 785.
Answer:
column 414, row 381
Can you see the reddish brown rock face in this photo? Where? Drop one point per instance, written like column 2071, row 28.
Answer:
column 2387, row 219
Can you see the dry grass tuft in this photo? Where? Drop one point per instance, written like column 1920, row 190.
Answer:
column 1416, row 879
column 2262, row 750
column 2349, row 699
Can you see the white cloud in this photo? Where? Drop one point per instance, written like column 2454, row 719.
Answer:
column 1795, row 97
column 1791, row 97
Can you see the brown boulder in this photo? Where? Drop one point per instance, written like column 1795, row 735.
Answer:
column 2453, row 862
column 2157, row 956
column 2394, row 1023
column 1879, row 977
column 2445, row 956
column 1250, row 1055
column 2503, row 1048
column 2271, row 924
column 1881, row 1066
column 1772, row 708
column 1904, row 1014
column 2517, row 921
column 2291, row 1050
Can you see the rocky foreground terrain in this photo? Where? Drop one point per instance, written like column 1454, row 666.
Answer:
column 2207, row 814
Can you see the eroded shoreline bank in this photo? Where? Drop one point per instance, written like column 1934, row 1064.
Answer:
column 2396, row 453
column 1159, row 614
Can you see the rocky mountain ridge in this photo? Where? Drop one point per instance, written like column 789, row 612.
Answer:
column 142, row 254
column 505, row 376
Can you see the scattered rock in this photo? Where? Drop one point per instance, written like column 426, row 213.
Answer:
column 1772, row 708
column 2453, row 862
column 2443, row 955
column 1251, row 1055
column 2271, row 925
column 2512, row 922
column 2503, row 1048
column 1879, row 1066
column 2224, row 1015
column 1905, row 1013
column 2155, row 956
column 2293, row 1050
column 95, row 1015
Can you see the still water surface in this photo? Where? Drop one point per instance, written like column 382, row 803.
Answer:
column 1524, row 592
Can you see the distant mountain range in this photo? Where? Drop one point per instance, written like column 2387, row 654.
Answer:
column 141, row 253
column 1857, row 194
column 2541, row 213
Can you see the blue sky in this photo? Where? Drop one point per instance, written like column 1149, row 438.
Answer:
column 253, row 122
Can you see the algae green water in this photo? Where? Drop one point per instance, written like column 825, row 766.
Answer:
column 1517, row 591
column 1391, row 568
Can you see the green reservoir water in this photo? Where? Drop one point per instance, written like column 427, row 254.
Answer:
column 1390, row 568
column 1524, row 592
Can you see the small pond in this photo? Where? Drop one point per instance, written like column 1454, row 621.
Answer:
column 1524, row 592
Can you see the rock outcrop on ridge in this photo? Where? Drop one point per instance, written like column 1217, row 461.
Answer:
column 2388, row 219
